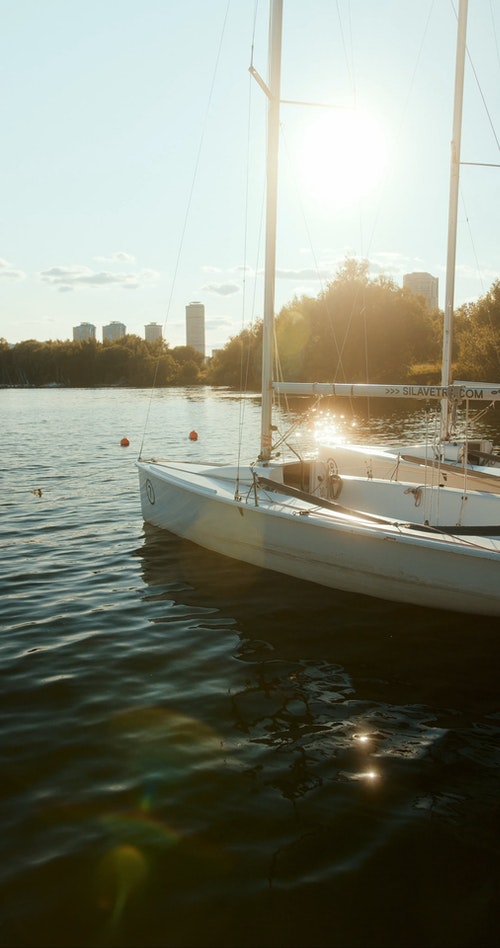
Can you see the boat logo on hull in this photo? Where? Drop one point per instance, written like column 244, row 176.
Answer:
column 150, row 491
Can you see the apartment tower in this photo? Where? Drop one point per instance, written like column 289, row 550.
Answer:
column 113, row 331
column 84, row 332
column 195, row 327
column 152, row 332
column 425, row 285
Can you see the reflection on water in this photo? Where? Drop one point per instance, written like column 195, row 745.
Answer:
column 386, row 422
column 198, row 753
column 314, row 724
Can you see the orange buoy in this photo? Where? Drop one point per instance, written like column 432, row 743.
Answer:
column 193, row 436
column 124, row 442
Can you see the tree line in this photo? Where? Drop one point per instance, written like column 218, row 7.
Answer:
column 361, row 329
column 357, row 329
column 127, row 362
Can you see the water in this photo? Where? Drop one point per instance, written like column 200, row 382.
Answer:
column 197, row 754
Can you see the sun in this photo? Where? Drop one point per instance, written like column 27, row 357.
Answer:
column 342, row 156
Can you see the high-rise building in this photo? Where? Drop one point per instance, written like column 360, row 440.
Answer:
column 152, row 332
column 83, row 332
column 113, row 331
column 425, row 285
column 195, row 327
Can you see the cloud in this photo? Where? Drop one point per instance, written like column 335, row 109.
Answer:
column 222, row 289
column 392, row 263
column 240, row 268
column 120, row 255
column 304, row 274
column 217, row 323
column 243, row 268
column 67, row 278
column 146, row 275
column 8, row 272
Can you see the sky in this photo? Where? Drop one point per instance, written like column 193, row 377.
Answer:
column 133, row 150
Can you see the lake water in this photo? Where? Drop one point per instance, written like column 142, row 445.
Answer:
column 197, row 754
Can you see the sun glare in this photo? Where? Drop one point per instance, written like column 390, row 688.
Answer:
column 343, row 155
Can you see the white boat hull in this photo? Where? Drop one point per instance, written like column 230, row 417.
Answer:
column 345, row 551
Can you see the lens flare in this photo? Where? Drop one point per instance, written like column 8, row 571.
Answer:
column 121, row 873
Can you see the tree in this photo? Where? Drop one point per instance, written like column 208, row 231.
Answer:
column 238, row 364
column 356, row 330
column 477, row 337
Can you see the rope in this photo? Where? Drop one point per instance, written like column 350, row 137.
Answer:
column 245, row 365
column 187, row 215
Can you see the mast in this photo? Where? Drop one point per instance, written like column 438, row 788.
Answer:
column 453, row 217
column 273, row 118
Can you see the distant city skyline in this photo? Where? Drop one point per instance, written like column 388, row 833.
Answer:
column 113, row 331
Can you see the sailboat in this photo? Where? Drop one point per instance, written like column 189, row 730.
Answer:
column 464, row 460
column 430, row 543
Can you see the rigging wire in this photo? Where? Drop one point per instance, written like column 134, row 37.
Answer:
column 482, row 164
column 494, row 31
column 245, row 364
column 321, row 275
column 403, row 120
column 486, row 109
column 471, row 238
column 188, row 210
column 349, row 60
